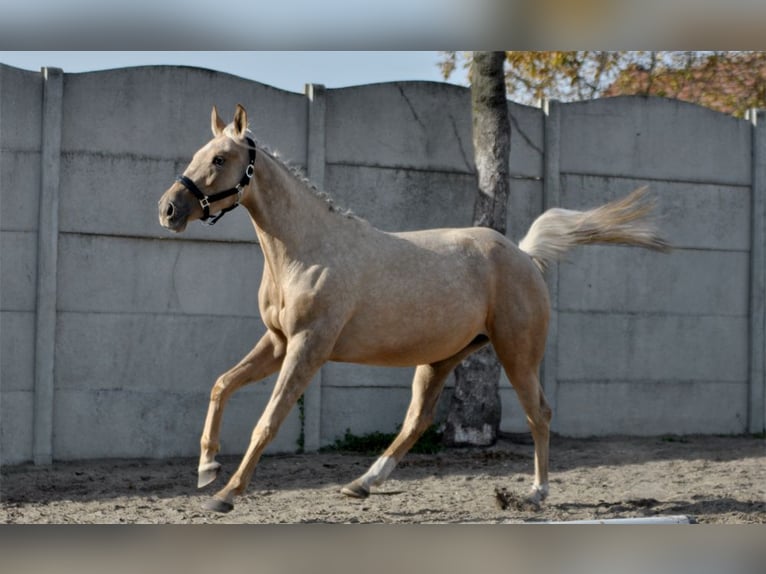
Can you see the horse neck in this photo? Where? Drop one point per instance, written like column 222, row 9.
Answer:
column 288, row 217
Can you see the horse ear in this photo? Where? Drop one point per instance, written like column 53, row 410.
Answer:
column 216, row 123
column 240, row 121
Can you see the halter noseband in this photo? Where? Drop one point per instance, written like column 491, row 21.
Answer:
column 206, row 200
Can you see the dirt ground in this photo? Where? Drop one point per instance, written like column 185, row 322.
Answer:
column 713, row 479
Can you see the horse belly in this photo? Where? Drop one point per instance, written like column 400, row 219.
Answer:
column 411, row 332
column 405, row 352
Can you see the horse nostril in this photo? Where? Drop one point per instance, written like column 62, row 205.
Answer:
column 170, row 210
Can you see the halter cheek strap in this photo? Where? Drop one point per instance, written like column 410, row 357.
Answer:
column 206, row 200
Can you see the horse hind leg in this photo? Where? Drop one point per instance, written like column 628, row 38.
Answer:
column 521, row 359
column 538, row 414
column 526, row 383
column 426, row 387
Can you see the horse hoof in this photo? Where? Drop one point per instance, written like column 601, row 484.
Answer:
column 534, row 500
column 532, row 503
column 217, row 505
column 207, row 474
column 355, row 490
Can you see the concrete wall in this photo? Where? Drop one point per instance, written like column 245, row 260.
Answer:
column 650, row 344
column 112, row 331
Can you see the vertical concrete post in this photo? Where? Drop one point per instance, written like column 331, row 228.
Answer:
column 552, row 198
column 47, row 263
column 315, row 148
column 315, row 170
column 757, row 394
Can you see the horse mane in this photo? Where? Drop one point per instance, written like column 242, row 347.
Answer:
column 295, row 170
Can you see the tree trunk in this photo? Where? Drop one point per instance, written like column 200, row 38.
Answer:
column 474, row 412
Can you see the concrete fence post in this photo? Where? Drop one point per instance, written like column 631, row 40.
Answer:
column 315, row 168
column 757, row 394
column 47, row 263
column 552, row 198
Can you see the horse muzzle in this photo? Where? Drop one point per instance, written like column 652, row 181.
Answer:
column 173, row 215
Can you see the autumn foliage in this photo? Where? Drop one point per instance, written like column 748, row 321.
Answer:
column 729, row 82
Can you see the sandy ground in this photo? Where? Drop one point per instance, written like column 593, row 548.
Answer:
column 713, row 479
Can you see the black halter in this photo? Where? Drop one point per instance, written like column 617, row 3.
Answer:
column 206, row 200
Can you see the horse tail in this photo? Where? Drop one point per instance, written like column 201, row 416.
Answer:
column 626, row 221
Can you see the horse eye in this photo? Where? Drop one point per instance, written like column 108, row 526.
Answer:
column 218, row 161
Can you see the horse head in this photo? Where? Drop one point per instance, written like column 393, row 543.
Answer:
column 215, row 179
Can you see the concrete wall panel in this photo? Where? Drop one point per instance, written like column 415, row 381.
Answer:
column 625, row 279
column 403, row 200
column 164, row 112
column 18, row 279
column 175, row 353
column 654, row 138
column 421, row 125
column 19, row 189
column 345, row 375
column 17, row 351
column 651, row 408
column 527, row 141
column 16, row 413
column 362, row 410
column 22, row 95
column 109, row 274
column 617, row 346
column 404, row 124
column 126, row 423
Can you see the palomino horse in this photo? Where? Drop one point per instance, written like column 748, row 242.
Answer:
column 334, row 288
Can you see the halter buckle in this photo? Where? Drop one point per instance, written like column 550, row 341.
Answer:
column 249, row 170
column 205, row 203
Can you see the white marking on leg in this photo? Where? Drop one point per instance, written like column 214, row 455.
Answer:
column 378, row 472
column 208, row 466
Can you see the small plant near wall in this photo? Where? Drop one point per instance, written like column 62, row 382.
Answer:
column 375, row 442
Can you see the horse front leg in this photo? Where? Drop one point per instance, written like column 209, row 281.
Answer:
column 265, row 359
column 305, row 354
